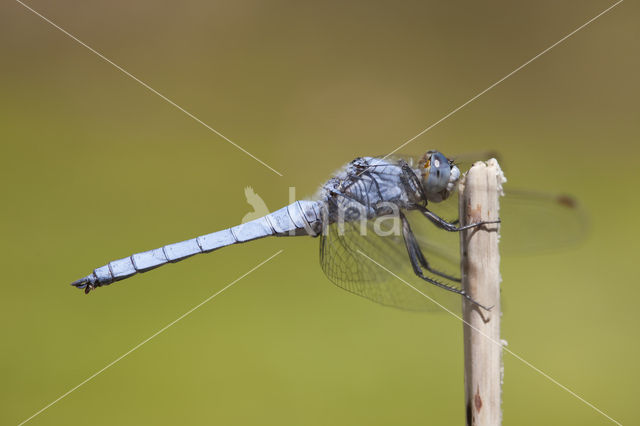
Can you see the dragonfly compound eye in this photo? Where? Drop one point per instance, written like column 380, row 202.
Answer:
column 439, row 176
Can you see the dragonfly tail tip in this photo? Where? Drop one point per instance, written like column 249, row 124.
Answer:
column 86, row 283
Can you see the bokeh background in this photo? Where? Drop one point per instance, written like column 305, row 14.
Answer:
column 95, row 167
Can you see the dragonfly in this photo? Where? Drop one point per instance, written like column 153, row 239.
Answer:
column 371, row 212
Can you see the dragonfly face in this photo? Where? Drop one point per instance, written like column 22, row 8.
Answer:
column 439, row 176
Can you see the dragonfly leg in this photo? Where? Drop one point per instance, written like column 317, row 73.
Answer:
column 451, row 226
column 417, row 257
column 411, row 239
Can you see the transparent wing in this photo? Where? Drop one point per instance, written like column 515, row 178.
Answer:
column 353, row 255
column 532, row 222
column 539, row 222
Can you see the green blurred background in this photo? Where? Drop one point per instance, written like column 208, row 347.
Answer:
column 95, row 167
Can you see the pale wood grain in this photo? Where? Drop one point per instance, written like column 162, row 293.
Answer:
column 480, row 190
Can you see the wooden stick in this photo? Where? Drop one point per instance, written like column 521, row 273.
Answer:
column 479, row 191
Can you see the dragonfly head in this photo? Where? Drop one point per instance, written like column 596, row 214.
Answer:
column 439, row 176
